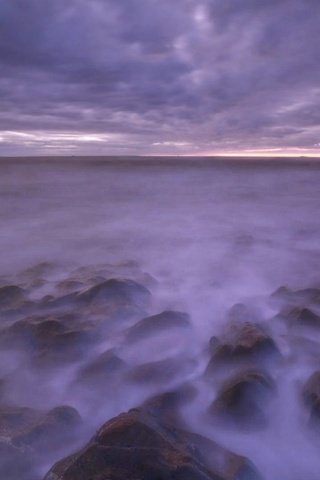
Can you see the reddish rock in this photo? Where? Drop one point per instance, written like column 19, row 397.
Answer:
column 241, row 399
column 134, row 445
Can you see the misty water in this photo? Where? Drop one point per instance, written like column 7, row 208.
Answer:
column 201, row 237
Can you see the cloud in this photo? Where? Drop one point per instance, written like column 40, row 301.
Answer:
column 199, row 75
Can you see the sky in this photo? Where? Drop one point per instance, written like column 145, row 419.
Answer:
column 159, row 77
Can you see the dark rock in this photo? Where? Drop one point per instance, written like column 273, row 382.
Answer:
column 159, row 371
column 300, row 317
column 116, row 291
column 98, row 371
column 58, row 426
column 244, row 343
column 134, row 445
column 48, row 338
column 15, row 463
column 306, row 296
column 11, row 296
column 158, row 323
column 241, row 399
column 311, row 398
column 166, row 406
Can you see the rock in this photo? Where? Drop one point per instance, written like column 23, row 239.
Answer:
column 244, row 343
column 300, row 317
column 166, row 406
column 306, row 296
column 311, row 398
column 98, row 371
column 154, row 324
column 48, row 338
column 116, row 291
column 135, row 445
column 15, row 463
column 11, row 296
column 241, row 399
column 159, row 371
column 59, row 425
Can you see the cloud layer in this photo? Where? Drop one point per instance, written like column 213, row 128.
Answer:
column 150, row 76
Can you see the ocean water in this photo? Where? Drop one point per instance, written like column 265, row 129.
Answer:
column 202, row 235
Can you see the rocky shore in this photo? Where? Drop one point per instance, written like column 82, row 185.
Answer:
column 91, row 384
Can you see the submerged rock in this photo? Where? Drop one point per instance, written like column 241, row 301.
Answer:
column 161, row 322
column 135, row 445
column 241, row 399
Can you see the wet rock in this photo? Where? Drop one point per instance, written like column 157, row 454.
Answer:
column 15, row 463
column 135, row 445
column 159, row 371
column 58, row 426
column 48, row 337
column 98, row 371
column 11, row 296
column 154, row 324
column 244, row 343
column 241, row 399
column 300, row 317
column 26, row 434
column 311, row 398
column 116, row 291
column 306, row 296
column 166, row 406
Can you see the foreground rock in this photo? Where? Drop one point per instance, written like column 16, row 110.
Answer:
column 136, row 446
column 241, row 400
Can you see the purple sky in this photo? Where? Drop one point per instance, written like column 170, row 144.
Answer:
column 159, row 76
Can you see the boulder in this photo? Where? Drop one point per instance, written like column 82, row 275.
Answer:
column 26, row 434
column 244, row 343
column 11, row 296
column 48, row 338
column 159, row 371
column 306, row 296
column 106, row 366
column 166, row 406
column 311, row 398
column 116, row 291
column 59, row 425
column 300, row 317
column 155, row 324
column 241, row 399
column 135, row 445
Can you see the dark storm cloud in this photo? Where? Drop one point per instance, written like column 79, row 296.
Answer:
column 144, row 76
